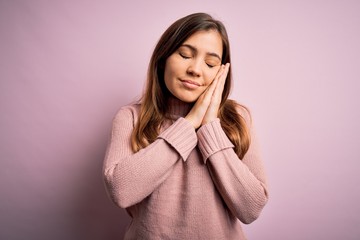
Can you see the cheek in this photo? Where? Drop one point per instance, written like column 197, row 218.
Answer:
column 167, row 80
column 210, row 76
column 170, row 68
column 167, row 73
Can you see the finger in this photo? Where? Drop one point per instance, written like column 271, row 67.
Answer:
column 207, row 96
column 223, row 77
column 221, row 83
column 220, row 72
column 211, row 88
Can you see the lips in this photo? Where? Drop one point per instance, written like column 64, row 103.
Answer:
column 190, row 84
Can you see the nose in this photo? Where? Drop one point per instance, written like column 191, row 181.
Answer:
column 194, row 68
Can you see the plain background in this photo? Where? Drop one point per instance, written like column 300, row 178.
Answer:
column 67, row 66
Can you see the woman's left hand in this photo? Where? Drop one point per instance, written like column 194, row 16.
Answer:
column 207, row 106
column 213, row 108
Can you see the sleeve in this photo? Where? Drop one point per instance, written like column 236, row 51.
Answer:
column 131, row 177
column 241, row 183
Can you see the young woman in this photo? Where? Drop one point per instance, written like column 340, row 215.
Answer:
column 183, row 161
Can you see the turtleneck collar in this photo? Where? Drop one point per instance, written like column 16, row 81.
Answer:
column 178, row 108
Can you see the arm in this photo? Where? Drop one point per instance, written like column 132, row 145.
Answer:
column 241, row 183
column 131, row 177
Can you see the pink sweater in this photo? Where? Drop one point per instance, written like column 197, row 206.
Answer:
column 187, row 184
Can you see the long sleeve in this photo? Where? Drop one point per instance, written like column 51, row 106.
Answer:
column 131, row 177
column 241, row 183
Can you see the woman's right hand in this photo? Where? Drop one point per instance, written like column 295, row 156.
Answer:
column 207, row 106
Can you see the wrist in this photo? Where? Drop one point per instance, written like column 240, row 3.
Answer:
column 190, row 119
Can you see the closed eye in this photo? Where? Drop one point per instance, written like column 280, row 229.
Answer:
column 184, row 56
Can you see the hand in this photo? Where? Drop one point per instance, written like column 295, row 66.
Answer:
column 207, row 106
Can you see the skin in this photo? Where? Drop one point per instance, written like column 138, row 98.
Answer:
column 194, row 73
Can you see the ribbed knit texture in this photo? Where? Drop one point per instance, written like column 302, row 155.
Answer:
column 212, row 139
column 184, row 141
column 186, row 184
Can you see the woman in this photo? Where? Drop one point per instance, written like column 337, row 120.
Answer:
column 183, row 161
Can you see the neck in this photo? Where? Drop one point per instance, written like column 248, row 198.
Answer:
column 178, row 108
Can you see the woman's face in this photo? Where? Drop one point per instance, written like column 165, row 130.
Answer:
column 193, row 66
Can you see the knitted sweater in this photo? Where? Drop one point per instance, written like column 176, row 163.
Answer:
column 187, row 184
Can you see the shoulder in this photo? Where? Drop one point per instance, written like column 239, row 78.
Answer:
column 127, row 114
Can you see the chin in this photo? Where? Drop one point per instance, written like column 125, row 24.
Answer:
column 186, row 96
column 188, row 99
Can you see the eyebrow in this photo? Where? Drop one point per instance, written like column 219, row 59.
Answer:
column 195, row 50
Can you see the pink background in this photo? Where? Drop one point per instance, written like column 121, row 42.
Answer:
column 67, row 66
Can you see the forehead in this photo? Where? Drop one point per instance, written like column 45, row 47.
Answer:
column 206, row 41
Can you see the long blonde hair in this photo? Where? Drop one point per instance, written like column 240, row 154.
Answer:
column 154, row 108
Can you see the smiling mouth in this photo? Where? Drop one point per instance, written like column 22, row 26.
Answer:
column 190, row 82
column 190, row 85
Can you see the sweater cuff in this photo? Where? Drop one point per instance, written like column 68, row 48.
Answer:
column 181, row 136
column 212, row 139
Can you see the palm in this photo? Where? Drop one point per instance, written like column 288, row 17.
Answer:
column 207, row 106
